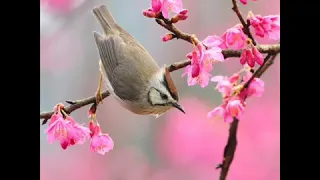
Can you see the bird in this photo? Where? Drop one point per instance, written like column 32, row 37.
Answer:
column 129, row 72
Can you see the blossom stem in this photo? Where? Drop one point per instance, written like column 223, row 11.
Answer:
column 63, row 112
column 268, row 61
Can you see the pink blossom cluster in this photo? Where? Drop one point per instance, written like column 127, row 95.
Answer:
column 202, row 58
column 210, row 51
column 163, row 7
column 234, row 94
column 265, row 25
column 68, row 132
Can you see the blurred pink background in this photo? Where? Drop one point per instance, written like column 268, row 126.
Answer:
column 174, row 146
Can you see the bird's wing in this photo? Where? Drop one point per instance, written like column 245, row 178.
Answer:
column 109, row 50
column 123, row 64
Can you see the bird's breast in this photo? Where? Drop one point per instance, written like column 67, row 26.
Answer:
column 137, row 108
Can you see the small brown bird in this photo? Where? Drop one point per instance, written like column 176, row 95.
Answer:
column 131, row 75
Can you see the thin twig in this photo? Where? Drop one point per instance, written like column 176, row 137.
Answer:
column 245, row 25
column 231, row 146
column 267, row 64
column 74, row 105
column 170, row 27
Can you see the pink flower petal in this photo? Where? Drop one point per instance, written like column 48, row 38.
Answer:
column 206, row 64
column 235, row 77
column 195, row 70
column 217, row 78
column 101, row 144
column 250, row 57
column 256, row 88
column 257, row 56
column 234, row 38
column 228, row 118
column 61, row 130
column 212, row 41
column 175, row 5
column 244, row 1
column 81, row 134
column 224, row 86
column 265, row 26
column 203, row 79
column 215, row 54
column 165, row 9
column 156, row 5
column 217, row 112
column 235, row 108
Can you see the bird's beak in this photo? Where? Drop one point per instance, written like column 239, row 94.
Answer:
column 178, row 106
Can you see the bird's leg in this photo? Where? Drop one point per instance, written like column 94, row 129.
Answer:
column 99, row 93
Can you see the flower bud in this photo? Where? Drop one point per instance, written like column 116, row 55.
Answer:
column 167, row 37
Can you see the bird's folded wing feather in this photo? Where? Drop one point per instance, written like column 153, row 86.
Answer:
column 109, row 48
column 122, row 75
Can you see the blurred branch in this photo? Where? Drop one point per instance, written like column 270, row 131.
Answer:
column 272, row 49
column 231, row 146
column 245, row 25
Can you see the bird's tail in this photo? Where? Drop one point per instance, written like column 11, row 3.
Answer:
column 105, row 19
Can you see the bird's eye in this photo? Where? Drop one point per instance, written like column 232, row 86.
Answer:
column 163, row 96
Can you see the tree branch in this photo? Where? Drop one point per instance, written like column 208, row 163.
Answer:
column 245, row 25
column 273, row 49
column 229, row 149
column 231, row 146
column 167, row 24
column 74, row 105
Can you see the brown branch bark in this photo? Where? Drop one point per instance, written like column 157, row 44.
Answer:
column 74, row 105
column 229, row 149
column 231, row 146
